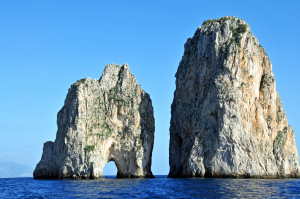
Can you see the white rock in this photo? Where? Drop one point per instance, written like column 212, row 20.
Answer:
column 227, row 118
column 101, row 121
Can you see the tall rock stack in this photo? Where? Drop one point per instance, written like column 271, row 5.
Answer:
column 104, row 120
column 227, row 117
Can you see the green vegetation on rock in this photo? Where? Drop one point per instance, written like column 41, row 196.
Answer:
column 233, row 40
column 242, row 28
column 79, row 82
column 89, row 148
column 220, row 20
column 118, row 99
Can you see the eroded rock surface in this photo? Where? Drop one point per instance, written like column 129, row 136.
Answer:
column 104, row 120
column 227, row 117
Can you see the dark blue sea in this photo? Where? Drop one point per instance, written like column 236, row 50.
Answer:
column 159, row 187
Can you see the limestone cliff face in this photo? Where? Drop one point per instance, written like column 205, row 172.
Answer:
column 227, row 118
column 104, row 120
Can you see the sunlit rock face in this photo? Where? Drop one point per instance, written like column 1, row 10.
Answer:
column 227, row 117
column 104, row 120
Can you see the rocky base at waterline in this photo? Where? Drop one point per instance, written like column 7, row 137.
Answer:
column 227, row 117
column 104, row 120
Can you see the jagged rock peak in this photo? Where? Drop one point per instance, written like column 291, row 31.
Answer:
column 114, row 73
column 101, row 121
column 227, row 119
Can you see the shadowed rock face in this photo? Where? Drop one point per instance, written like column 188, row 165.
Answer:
column 227, row 118
column 104, row 120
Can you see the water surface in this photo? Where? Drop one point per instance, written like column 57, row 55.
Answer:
column 159, row 187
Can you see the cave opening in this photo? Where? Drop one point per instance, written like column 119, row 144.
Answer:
column 110, row 170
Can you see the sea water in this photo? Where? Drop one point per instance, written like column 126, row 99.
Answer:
column 159, row 187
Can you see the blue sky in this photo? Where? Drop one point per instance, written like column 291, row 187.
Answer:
column 45, row 46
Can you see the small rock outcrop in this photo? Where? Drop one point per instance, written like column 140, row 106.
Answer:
column 104, row 120
column 227, row 117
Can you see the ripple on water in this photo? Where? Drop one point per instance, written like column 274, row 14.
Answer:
column 160, row 187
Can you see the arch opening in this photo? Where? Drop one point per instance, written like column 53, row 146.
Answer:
column 110, row 170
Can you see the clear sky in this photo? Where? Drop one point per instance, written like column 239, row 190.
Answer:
column 45, row 46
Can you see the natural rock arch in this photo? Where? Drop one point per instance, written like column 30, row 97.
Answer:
column 102, row 120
